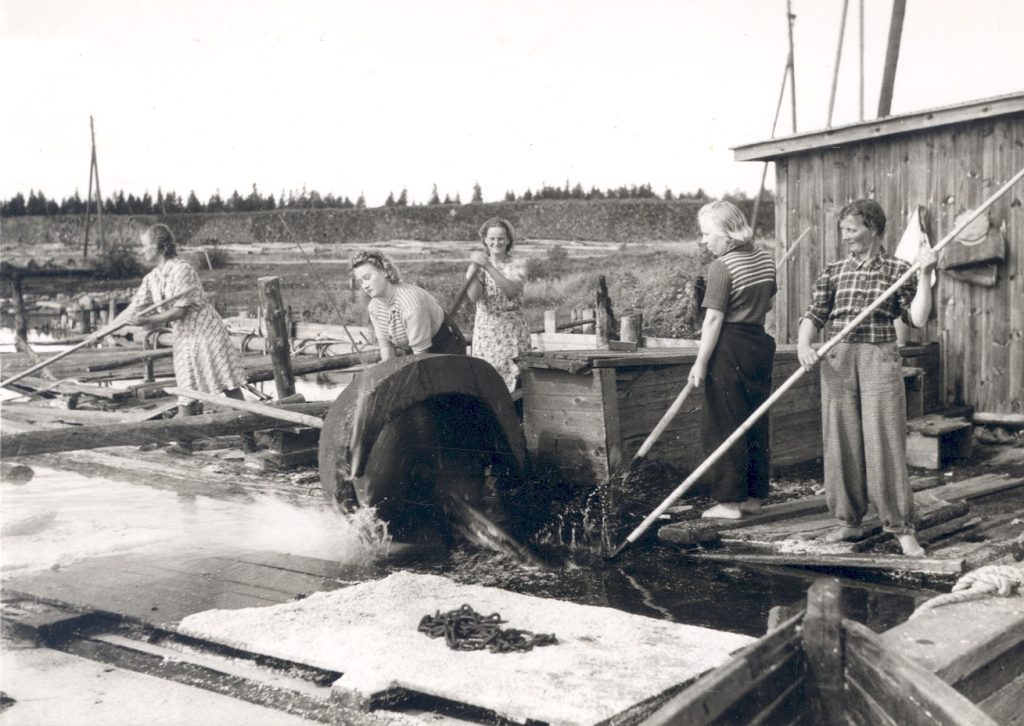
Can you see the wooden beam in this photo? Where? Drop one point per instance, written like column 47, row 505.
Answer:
column 250, row 406
column 38, row 384
column 822, row 642
column 879, row 563
column 145, row 432
column 892, row 56
column 880, row 128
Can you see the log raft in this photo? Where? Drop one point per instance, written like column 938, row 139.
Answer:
column 189, row 428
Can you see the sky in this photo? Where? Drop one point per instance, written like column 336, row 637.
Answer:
column 350, row 97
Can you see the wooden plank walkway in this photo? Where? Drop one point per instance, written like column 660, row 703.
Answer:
column 790, row 534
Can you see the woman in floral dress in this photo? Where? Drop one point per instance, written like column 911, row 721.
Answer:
column 500, row 333
column 204, row 359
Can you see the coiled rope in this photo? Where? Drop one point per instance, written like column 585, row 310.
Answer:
column 466, row 629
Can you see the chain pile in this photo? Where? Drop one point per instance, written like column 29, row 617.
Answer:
column 466, row 629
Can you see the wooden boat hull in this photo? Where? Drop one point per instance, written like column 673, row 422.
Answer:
column 820, row 668
column 411, row 433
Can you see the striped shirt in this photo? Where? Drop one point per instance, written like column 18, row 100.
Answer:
column 849, row 285
column 741, row 283
column 408, row 320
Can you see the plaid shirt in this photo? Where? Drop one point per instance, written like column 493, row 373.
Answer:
column 849, row 285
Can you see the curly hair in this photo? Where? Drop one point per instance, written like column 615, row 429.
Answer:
column 870, row 212
column 163, row 238
column 726, row 219
column 497, row 222
column 380, row 261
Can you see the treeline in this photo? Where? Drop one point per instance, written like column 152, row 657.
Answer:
column 38, row 204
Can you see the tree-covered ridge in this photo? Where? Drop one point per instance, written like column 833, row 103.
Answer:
column 38, row 204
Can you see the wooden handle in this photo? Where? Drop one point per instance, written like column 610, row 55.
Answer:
column 250, row 406
column 462, row 293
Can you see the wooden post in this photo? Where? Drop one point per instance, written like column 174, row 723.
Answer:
column 892, row 56
column 792, row 62
column 550, row 321
column 85, row 319
column 112, row 308
column 277, row 335
column 823, row 645
column 150, row 373
column 631, row 327
column 604, row 327
column 20, row 316
column 99, row 195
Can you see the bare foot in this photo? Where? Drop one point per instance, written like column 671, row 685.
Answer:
column 845, row 533
column 910, row 545
column 726, row 510
column 752, row 505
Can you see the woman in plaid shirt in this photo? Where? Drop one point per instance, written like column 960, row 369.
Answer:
column 863, row 406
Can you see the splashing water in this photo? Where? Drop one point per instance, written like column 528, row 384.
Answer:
column 61, row 517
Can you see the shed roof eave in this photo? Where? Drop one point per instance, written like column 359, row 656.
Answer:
column 878, row 128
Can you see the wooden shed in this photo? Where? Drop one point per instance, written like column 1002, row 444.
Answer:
column 944, row 162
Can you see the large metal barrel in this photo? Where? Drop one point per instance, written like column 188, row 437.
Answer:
column 411, row 434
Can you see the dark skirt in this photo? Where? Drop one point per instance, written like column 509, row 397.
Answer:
column 448, row 339
column 739, row 380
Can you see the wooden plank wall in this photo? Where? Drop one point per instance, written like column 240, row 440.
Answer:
column 564, row 423
column 584, row 424
column 947, row 170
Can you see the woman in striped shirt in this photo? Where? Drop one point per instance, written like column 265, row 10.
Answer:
column 863, row 400
column 405, row 317
column 735, row 358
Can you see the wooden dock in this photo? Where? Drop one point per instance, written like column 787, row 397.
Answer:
column 959, row 533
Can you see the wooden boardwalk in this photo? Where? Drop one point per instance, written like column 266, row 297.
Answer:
column 958, row 536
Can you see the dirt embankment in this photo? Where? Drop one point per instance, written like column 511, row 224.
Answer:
column 617, row 221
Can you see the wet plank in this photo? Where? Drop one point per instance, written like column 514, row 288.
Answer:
column 162, row 590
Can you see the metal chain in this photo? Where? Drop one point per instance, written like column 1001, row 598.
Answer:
column 466, row 629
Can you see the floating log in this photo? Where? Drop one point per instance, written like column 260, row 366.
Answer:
column 130, row 358
column 881, row 563
column 39, row 384
column 265, row 372
column 250, row 406
column 186, row 428
column 29, row 412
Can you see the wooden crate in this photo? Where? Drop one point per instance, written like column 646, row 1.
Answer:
column 586, row 413
column 934, row 441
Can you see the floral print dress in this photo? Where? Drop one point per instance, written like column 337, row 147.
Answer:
column 204, row 359
column 500, row 333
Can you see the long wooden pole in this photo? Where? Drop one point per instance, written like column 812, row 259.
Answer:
column 763, row 408
column 99, row 194
column 462, row 293
column 792, row 62
column 892, row 56
column 180, row 428
column 775, row 123
column 666, row 419
column 835, row 70
column 250, row 406
column 792, row 248
column 106, row 331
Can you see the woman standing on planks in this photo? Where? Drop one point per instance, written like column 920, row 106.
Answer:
column 735, row 358
column 204, row 359
column 500, row 333
column 864, row 413
column 405, row 317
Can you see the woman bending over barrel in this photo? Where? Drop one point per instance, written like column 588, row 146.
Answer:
column 204, row 359
column 405, row 317
column 500, row 333
column 735, row 358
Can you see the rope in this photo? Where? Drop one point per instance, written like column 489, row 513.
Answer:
column 330, row 295
column 466, row 629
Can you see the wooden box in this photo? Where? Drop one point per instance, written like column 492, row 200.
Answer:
column 934, row 441
column 586, row 413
